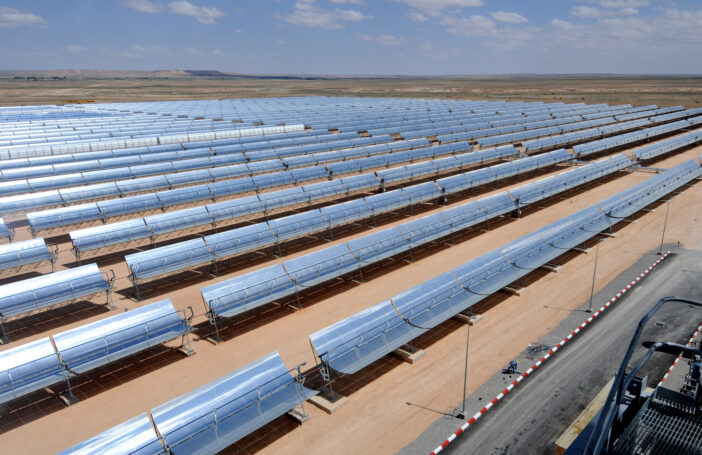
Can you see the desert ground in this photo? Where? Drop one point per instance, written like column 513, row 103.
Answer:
column 390, row 402
column 663, row 91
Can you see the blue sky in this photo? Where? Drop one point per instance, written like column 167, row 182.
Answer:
column 413, row 37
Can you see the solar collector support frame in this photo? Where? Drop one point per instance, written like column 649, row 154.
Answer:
column 6, row 232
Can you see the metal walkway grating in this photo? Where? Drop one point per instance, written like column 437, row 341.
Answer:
column 666, row 424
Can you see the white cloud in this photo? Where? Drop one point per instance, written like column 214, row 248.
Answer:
column 11, row 17
column 142, row 50
column 591, row 12
column 203, row 14
column 217, row 52
column 192, row 52
column 434, row 7
column 307, row 14
column 476, row 25
column 384, row 40
column 417, row 17
column 76, row 48
column 623, row 3
column 144, row 6
column 351, row 2
column 672, row 31
column 511, row 38
column 508, row 17
column 496, row 37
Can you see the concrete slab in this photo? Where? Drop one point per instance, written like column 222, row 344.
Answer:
column 409, row 354
column 514, row 290
column 330, row 406
column 298, row 415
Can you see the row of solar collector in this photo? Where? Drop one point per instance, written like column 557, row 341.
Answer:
column 235, row 164
column 255, row 289
column 355, row 342
column 63, row 164
column 618, row 127
column 24, row 297
column 519, row 135
column 488, row 119
column 219, row 182
column 110, row 123
column 26, row 255
column 52, row 360
column 303, row 178
column 484, row 130
column 545, row 121
column 587, row 113
column 217, row 147
column 199, row 125
column 168, row 139
column 647, row 133
column 253, row 144
column 667, row 146
column 210, row 418
column 546, row 112
column 596, row 133
column 113, row 131
column 77, row 215
column 211, row 191
column 208, row 249
column 109, row 142
column 635, row 136
column 120, row 187
column 129, row 122
column 220, row 213
column 10, row 152
column 320, row 112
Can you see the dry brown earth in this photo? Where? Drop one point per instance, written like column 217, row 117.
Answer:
column 663, row 91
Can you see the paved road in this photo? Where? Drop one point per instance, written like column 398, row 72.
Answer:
column 534, row 415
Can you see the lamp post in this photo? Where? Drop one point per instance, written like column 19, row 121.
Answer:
column 471, row 320
column 594, row 272
column 665, row 224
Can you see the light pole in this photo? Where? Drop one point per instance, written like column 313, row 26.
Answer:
column 665, row 223
column 471, row 320
column 594, row 272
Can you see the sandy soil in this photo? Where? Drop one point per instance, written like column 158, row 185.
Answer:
column 390, row 402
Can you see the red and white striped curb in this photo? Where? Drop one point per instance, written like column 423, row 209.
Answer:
column 677, row 359
column 550, row 353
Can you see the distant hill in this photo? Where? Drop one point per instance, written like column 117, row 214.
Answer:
column 85, row 74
